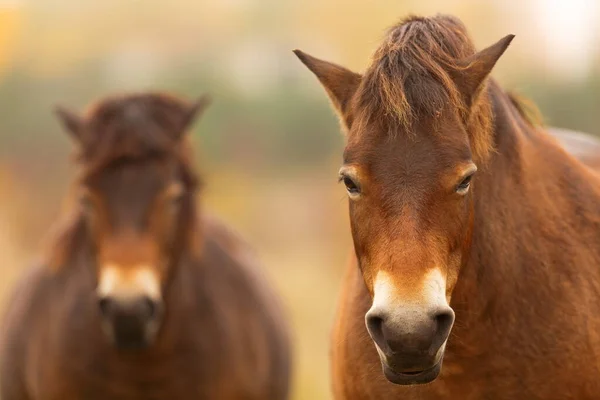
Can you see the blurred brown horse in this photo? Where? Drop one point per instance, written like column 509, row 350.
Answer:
column 141, row 297
column 466, row 217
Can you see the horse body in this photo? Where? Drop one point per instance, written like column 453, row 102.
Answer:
column 223, row 334
column 526, row 326
column 584, row 147
column 476, row 266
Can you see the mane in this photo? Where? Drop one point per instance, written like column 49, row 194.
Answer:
column 410, row 76
column 134, row 127
column 526, row 108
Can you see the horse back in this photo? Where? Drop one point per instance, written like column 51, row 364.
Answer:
column 584, row 147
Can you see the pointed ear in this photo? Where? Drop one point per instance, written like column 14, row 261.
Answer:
column 70, row 121
column 194, row 111
column 339, row 82
column 475, row 69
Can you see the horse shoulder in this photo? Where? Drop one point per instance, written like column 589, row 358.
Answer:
column 24, row 307
column 250, row 312
column 228, row 250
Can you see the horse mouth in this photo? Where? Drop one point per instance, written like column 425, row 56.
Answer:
column 412, row 377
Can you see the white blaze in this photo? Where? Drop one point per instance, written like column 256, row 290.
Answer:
column 432, row 292
column 127, row 282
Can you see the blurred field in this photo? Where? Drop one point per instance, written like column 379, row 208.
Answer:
column 269, row 147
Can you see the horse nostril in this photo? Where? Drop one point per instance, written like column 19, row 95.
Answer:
column 444, row 320
column 104, row 304
column 148, row 307
column 375, row 328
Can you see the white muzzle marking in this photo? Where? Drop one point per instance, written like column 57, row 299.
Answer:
column 127, row 282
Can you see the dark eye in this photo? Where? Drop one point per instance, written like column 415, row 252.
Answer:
column 351, row 187
column 464, row 185
column 175, row 202
column 175, row 197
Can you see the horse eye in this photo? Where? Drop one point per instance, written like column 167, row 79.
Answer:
column 174, row 195
column 176, row 200
column 351, row 187
column 464, row 185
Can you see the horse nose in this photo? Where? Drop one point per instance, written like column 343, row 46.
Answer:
column 142, row 307
column 410, row 332
column 130, row 322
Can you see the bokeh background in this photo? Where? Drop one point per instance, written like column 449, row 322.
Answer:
column 269, row 147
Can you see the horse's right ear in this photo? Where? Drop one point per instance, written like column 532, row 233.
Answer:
column 70, row 121
column 193, row 112
column 339, row 82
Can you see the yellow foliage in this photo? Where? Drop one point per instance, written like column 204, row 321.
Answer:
column 10, row 24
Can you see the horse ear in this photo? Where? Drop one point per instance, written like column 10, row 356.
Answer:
column 70, row 121
column 476, row 68
column 339, row 82
column 194, row 111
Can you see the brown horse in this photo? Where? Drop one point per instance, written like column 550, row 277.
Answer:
column 477, row 236
column 140, row 296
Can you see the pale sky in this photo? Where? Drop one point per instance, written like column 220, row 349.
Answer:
column 10, row 3
column 569, row 30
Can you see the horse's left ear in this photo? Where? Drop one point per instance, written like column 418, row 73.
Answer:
column 70, row 121
column 194, row 111
column 474, row 70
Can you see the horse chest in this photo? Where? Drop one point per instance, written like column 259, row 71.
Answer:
column 170, row 379
column 92, row 370
column 100, row 379
column 358, row 376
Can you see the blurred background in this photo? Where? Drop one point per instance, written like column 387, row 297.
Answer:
column 269, row 147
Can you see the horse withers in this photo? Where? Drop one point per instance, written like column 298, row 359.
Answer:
column 476, row 234
column 141, row 295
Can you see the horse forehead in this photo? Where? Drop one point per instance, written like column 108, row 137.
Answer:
column 442, row 135
column 400, row 167
column 128, row 190
column 416, row 161
column 132, row 179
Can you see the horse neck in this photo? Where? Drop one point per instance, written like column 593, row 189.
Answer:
column 180, row 290
column 519, row 195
